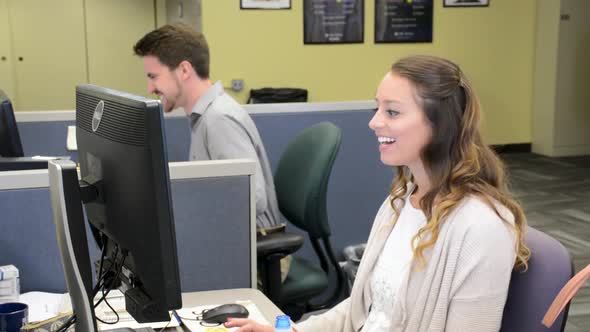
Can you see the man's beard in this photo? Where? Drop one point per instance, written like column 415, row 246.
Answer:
column 168, row 106
column 171, row 104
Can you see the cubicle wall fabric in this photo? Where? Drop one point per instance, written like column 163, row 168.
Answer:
column 212, row 232
column 212, row 222
column 28, row 241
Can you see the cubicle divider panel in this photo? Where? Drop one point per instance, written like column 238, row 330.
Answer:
column 213, row 217
column 46, row 138
column 28, row 240
column 178, row 138
column 213, row 232
column 49, row 138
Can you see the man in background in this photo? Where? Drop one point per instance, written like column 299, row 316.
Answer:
column 176, row 62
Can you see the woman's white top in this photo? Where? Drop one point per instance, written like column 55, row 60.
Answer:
column 392, row 265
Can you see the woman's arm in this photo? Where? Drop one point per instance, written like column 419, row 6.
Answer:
column 331, row 320
column 480, row 285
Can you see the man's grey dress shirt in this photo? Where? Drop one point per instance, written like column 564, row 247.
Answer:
column 222, row 129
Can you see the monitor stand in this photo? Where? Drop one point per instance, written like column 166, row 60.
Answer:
column 70, row 229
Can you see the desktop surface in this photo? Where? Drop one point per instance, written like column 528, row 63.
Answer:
column 268, row 309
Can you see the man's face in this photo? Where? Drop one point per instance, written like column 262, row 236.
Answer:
column 163, row 82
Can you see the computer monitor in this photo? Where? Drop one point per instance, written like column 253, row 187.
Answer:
column 125, row 190
column 11, row 149
column 10, row 144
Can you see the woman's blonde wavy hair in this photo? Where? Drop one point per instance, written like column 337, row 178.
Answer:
column 458, row 162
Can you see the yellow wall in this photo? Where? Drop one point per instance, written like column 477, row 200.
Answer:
column 494, row 45
column 111, row 61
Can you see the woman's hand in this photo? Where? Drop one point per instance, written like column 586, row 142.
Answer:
column 247, row 325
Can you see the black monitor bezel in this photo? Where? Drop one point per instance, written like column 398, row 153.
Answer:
column 9, row 129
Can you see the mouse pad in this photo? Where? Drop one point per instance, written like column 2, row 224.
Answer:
column 189, row 317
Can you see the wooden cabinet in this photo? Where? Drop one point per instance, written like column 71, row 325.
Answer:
column 6, row 59
column 49, row 47
column 48, row 52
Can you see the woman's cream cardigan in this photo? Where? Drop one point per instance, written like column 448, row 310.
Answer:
column 462, row 288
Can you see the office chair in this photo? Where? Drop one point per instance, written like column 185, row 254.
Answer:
column 531, row 293
column 301, row 183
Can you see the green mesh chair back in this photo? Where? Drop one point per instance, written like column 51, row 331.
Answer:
column 301, row 178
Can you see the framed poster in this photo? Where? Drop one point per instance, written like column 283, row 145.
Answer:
column 265, row 4
column 403, row 21
column 466, row 3
column 333, row 21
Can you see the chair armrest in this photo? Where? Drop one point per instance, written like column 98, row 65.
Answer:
column 278, row 243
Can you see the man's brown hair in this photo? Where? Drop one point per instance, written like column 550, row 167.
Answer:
column 174, row 43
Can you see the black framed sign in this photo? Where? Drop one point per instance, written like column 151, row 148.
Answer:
column 466, row 3
column 333, row 21
column 403, row 21
column 265, row 4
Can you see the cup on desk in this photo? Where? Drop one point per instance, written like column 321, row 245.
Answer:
column 13, row 316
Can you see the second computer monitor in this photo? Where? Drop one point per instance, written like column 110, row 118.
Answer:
column 10, row 143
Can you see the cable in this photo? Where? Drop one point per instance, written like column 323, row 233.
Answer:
column 103, row 276
column 67, row 324
column 100, row 285
column 95, row 290
column 162, row 329
column 104, row 295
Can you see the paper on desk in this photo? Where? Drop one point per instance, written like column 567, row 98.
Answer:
column 43, row 305
column 71, row 143
column 188, row 316
column 117, row 301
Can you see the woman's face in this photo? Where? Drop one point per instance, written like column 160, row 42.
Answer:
column 400, row 124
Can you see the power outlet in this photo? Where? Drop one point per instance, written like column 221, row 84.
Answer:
column 237, row 84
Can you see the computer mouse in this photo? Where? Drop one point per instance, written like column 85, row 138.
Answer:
column 220, row 314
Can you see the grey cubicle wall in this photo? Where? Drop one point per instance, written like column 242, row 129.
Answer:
column 359, row 182
column 27, row 234
column 48, row 136
column 201, row 193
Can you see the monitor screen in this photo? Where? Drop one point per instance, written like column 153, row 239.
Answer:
column 125, row 189
column 10, row 144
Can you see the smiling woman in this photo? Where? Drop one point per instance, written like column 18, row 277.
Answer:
column 400, row 125
column 446, row 239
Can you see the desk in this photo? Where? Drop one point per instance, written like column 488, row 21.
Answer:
column 268, row 309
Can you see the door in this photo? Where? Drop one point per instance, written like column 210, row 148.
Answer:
column 572, row 112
